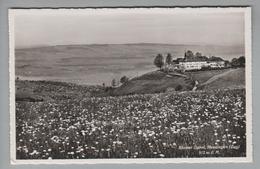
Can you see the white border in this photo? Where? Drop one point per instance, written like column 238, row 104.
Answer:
column 12, row 87
column 248, row 53
column 248, row 56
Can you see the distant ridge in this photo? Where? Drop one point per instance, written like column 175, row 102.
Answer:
column 141, row 43
column 142, row 49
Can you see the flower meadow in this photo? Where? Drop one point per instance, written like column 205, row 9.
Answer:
column 165, row 125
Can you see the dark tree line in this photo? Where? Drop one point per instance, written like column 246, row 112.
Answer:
column 160, row 62
column 238, row 62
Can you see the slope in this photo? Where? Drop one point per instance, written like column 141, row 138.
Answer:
column 155, row 82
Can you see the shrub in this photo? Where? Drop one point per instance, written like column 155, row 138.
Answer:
column 158, row 61
column 124, row 79
column 178, row 88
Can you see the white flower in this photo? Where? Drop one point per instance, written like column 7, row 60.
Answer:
column 162, row 155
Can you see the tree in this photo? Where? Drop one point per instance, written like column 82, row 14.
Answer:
column 227, row 63
column 158, row 61
column 241, row 61
column 238, row 62
column 198, row 54
column 215, row 58
column 113, row 83
column 234, row 62
column 168, row 59
column 124, row 79
column 188, row 54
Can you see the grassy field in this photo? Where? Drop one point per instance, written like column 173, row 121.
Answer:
column 203, row 76
column 232, row 79
column 57, row 120
column 158, row 81
column 48, row 90
column 70, row 125
column 154, row 82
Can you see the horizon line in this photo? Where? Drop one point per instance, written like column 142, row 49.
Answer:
column 134, row 43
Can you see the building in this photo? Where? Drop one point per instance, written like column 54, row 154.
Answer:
column 216, row 64
column 196, row 62
column 192, row 65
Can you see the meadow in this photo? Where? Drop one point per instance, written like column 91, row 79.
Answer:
column 163, row 125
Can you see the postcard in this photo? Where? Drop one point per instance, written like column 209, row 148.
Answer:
column 130, row 85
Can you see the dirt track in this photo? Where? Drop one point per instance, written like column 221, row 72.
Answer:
column 212, row 79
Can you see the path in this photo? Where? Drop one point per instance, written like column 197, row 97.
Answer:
column 177, row 74
column 195, row 86
column 212, row 79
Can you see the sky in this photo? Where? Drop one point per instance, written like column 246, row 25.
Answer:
column 121, row 26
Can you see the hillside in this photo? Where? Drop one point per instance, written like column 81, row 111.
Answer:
column 152, row 82
column 155, row 82
column 234, row 78
column 34, row 91
column 203, row 76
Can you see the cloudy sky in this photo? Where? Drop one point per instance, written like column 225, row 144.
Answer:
column 120, row 26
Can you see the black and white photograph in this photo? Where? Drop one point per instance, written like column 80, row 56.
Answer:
column 130, row 85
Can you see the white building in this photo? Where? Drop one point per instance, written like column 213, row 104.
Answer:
column 192, row 65
column 216, row 64
column 190, row 62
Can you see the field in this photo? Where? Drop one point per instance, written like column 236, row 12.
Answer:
column 154, row 82
column 158, row 81
column 165, row 125
column 234, row 78
column 203, row 76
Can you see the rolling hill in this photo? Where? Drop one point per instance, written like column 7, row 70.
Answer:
column 155, row 82
column 152, row 82
column 234, row 78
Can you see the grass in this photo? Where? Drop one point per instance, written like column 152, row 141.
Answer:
column 232, row 79
column 203, row 76
column 49, row 90
column 134, row 126
column 154, row 82
column 68, row 121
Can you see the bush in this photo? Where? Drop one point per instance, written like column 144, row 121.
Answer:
column 170, row 89
column 178, row 88
column 124, row 79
